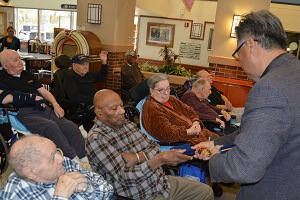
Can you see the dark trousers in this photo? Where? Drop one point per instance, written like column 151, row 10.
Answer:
column 64, row 133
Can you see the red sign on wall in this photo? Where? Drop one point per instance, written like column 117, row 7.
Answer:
column 188, row 4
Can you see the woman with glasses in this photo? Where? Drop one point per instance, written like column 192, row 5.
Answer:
column 10, row 41
column 168, row 119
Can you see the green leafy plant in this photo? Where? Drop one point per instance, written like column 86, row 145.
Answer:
column 169, row 66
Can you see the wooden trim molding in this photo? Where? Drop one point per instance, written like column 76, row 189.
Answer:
column 223, row 61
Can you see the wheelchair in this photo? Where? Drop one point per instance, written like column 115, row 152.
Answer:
column 11, row 127
column 139, row 94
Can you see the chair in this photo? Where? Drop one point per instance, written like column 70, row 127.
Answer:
column 3, row 155
column 132, row 114
column 125, row 97
column 140, row 93
column 76, row 112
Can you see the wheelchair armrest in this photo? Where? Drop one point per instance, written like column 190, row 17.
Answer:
column 213, row 122
column 173, row 143
column 212, row 125
column 65, row 103
column 8, row 106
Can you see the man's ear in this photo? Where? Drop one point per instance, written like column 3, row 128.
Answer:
column 98, row 111
column 5, row 67
column 252, row 45
column 29, row 173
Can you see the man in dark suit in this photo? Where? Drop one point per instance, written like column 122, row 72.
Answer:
column 266, row 155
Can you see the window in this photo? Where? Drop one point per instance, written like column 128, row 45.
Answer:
column 26, row 23
column 27, row 26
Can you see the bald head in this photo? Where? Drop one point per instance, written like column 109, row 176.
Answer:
column 6, row 55
column 26, row 152
column 204, row 75
column 108, row 108
column 11, row 62
column 102, row 97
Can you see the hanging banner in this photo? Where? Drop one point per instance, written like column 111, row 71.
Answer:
column 188, row 4
column 5, row 2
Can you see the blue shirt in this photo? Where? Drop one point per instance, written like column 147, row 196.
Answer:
column 18, row 188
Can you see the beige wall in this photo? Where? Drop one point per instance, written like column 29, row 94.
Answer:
column 157, row 7
column 223, row 45
column 116, row 28
column 289, row 16
column 201, row 10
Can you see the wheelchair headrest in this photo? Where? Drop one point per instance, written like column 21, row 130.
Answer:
column 139, row 91
column 63, row 61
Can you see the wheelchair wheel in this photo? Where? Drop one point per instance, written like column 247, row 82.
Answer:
column 124, row 96
column 3, row 155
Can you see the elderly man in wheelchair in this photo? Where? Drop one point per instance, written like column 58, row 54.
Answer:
column 23, row 91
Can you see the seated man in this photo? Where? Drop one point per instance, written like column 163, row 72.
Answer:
column 197, row 99
column 131, row 162
column 216, row 97
column 24, row 90
column 168, row 119
column 41, row 172
column 78, row 83
column 130, row 72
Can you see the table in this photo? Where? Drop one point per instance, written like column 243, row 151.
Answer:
column 43, row 76
column 28, row 57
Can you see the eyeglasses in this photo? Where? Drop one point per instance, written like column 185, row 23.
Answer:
column 163, row 90
column 59, row 152
column 235, row 55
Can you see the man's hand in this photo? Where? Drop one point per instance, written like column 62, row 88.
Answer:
column 194, row 129
column 130, row 158
column 103, row 57
column 203, row 154
column 221, row 122
column 226, row 115
column 70, row 183
column 170, row 157
column 38, row 98
column 59, row 112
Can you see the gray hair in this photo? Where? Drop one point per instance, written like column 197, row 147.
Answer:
column 200, row 83
column 264, row 27
column 28, row 155
column 157, row 78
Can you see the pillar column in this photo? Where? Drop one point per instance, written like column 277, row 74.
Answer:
column 115, row 32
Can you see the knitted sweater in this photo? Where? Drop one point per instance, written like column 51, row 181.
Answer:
column 170, row 124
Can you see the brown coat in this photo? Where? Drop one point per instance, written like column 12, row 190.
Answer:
column 170, row 124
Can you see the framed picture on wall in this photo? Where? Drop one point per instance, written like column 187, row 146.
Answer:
column 211, row 32
column 196, row 31
column 159, row 34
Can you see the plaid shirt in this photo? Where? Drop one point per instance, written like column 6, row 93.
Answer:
column 104, row 146
column 18, row 189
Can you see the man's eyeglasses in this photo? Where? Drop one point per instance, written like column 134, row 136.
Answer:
column 59, row 152
column 163, row 90
column 235, row 55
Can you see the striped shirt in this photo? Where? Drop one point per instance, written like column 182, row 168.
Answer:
column 20, row 189
column 104, row 147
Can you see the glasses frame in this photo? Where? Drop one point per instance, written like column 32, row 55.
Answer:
column 235, row 52
column 163, row 90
